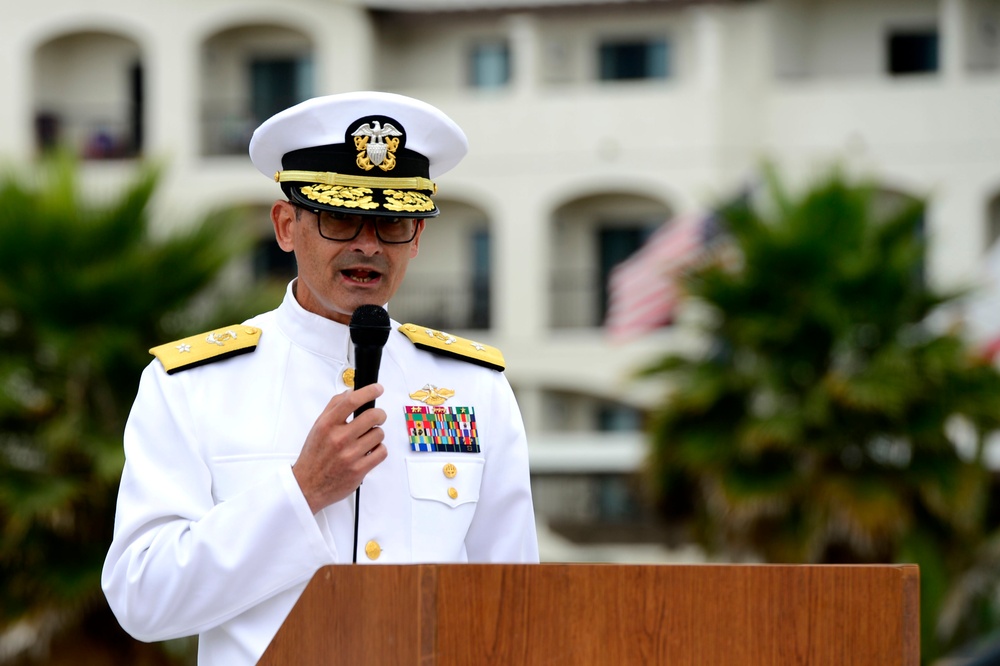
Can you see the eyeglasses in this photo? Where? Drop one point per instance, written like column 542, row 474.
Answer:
column 344, row 227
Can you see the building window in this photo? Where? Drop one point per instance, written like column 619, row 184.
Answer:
column 101, row 118
column 277, row 84
column 913, row 51
column 489, row 65
column 271, row 262
column 137, row 107
column 615, row 245
column 618, row 418
column 993, row 222
column 634, row 59
column 480, row 307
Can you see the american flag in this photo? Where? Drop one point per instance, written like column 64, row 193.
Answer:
column 643, row 290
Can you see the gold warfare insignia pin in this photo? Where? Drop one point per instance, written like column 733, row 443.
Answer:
column 432, row 395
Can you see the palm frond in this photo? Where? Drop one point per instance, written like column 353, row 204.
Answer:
column 821, row 425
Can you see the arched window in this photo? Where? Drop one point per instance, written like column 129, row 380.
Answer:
column 592, row 235
column 88, row 95
column 449, row 285
column 249, row 73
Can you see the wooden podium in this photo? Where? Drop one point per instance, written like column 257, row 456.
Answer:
column 582, row 614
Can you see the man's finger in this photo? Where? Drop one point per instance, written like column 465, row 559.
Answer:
column 344, row 404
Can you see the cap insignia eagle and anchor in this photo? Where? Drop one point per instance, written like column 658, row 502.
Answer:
column 376, row 145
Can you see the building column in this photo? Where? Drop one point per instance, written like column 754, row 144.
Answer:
column 955, row 224
column 525, row 54
column 708, row 45
column 530, row 402
column 17, row 123
column 952, row 46
column 521, row 279
column 173, row 97
column 356, row 43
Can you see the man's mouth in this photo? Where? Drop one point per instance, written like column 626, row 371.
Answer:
column 360, row 275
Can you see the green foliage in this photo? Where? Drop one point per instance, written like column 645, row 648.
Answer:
column 822, row 426
column 85, row 290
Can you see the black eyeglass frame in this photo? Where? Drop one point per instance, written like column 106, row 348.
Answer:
column 374, row 219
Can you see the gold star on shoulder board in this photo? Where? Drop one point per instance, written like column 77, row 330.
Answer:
column 452, row 346
column 209, row 347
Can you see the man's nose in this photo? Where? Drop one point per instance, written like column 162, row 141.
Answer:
column 367, row 240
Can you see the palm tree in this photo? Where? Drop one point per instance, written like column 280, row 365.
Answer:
column 84, row 291
column 827, row 422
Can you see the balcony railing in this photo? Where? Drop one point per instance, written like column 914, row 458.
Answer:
column 578, row 300
column 226, row 128
column 444, row 303
column 90, row 132
column 447, row 303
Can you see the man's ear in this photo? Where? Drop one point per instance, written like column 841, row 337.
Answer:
column 415, row 245
column 283, row 216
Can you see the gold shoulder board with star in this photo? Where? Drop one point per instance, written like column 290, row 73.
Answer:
column 453, row 346
column 207, row 347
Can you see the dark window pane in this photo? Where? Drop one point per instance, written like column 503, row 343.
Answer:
column 278, row 84
column 615, row 245
column 489, row 66
column 913, row 52
column 634, row 60
column 270, row 261
column 480, row 315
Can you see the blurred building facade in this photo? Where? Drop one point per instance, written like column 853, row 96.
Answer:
column 591, row 123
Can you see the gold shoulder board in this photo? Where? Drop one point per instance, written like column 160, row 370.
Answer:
column 455, row 347
column 206, row 347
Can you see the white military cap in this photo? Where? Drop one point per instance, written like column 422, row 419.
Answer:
column 371, row 153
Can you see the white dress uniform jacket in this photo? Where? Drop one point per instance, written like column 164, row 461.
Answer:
column 213, row 535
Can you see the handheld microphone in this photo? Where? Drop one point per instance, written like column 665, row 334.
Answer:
column 369, row 332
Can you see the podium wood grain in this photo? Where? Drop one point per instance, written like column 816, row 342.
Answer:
column 683, row 615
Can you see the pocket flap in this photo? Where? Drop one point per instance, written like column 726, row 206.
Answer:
column 451, row 481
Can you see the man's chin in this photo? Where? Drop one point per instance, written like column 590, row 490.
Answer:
column 338, row 306
column 346, row 309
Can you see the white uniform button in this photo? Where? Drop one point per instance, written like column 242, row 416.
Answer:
column 373, row 550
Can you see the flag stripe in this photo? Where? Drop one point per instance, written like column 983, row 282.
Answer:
column 643, row 290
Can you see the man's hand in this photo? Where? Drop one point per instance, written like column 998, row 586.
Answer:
column 338, row 455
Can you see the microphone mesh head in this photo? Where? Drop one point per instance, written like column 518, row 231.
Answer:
column 370, row 326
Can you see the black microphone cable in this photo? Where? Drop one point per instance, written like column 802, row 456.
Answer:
column 369, row 332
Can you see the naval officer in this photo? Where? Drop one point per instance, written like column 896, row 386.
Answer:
column 242, row 456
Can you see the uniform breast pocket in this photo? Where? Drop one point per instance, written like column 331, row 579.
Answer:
column 445, row 492
column 232, row 475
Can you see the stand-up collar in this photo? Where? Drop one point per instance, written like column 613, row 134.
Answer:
column 317, row 334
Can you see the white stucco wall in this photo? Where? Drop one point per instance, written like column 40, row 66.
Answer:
column 800, row 82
